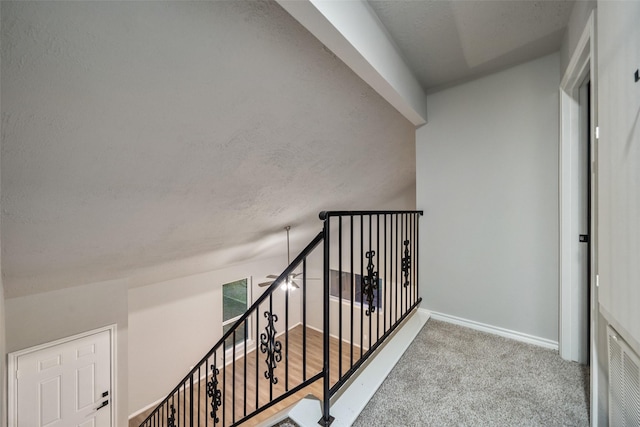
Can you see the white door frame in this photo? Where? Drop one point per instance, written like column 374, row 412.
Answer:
column 582, row 63
column 12, row 369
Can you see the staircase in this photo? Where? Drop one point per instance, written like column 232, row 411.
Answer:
column 369, row 287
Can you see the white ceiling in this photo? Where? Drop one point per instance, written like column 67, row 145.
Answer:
column 183, row 136
column 449, row 42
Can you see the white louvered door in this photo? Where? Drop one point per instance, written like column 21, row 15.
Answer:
column 624, row 383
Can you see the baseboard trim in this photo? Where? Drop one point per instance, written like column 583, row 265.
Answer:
column 146, row 408
column 495, row 330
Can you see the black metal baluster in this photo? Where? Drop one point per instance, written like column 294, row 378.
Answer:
column 233, row 379
column 206, row 395
column 417, row 256
column 171, row 419
column 384, row 279
column 378, row 305
column 224, row 382
column 178, row 407
column 339, row 297
column 244, row 372
column 402, row 288
column 199, row 381
column 351, row 289
column 286, row 340
column 190, row 400
column 271, row 376
column 361, row 283
column 392, row 293
column 414, row 260
column 395, row 268
column 326, row 396
column 256, row 357
column 213, row 391
column 304, row 319
column 406, row 234
column 372, row 285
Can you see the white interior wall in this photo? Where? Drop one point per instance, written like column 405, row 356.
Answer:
column 173, row 324
column 487, row 179
column 618, row 53
column 38, row 319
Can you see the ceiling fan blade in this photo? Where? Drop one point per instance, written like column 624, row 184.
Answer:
column 272, row 276
column 263, row 284
column 294, row 284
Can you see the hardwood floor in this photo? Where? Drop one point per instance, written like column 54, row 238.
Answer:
column 242, row 394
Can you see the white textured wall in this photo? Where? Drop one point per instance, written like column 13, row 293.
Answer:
column 45, row 317
column 173, row 324
column 138, row 134
column 487, row 179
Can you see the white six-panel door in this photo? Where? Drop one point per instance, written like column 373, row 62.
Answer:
column 65, row 385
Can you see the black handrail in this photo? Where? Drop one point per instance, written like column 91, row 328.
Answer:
column 327, row 214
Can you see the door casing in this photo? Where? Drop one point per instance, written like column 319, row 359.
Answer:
column 582, row 64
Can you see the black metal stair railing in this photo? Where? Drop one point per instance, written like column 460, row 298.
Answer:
column 369, row 287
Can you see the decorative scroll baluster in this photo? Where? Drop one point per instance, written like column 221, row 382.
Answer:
column 406, row 263
column 214, row 393
column 171, row 420
column 271, row 347
column 370, row 283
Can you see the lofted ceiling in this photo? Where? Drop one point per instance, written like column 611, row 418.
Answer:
column 449, row 42
column 180, row 137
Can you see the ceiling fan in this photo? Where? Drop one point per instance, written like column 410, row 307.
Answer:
column 289, row 283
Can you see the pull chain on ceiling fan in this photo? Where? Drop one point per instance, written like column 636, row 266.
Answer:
column 289, row 283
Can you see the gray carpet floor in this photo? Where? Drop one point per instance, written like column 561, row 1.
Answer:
column 455, row 376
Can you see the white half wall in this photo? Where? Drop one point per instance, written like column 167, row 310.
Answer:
column 3, row 364
column 487, row 180
column 45, row 317
column 3, row 353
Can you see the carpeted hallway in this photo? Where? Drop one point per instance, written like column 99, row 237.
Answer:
column 455, row 376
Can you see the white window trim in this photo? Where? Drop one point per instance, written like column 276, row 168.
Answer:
column 249, row 341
